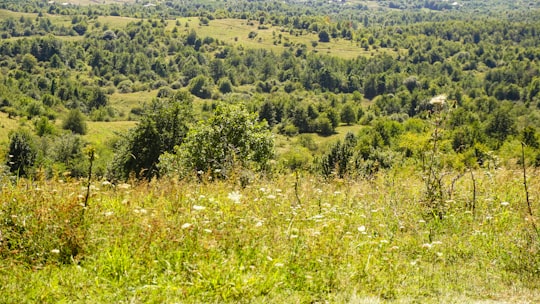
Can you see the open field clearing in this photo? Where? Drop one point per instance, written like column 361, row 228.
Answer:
column 237, row 31
column 365, row 241
column 100, row 132
column 6, row 125
column 98, row 2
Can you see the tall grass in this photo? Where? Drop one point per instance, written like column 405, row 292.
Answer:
column 347, row 241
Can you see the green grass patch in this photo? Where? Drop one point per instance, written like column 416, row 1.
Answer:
column 274, row 241
column 7, row 125
column 101, row 132
column 124, row 102
column 237, row 32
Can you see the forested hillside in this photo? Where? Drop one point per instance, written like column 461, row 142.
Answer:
column 239, row 93
column 302, row 72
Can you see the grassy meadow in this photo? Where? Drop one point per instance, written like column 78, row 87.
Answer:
column 284, row 239
column 237, row 32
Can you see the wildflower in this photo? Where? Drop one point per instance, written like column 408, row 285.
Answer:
column 55, row 251
column 362, row 229
column 124, row 186
column 279, row 264
column 427, row 245
column 271, row 197
column 108, row 213
column 258, row 224
column 504, row 204
column 208, row 230
column 186, row 226
column 235, row 196
column 198, row 208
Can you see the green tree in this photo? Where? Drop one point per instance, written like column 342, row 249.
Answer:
column 163, row 126
column 348, row 115
column 21, row 153
column 225, row 85
column 200, row 86
column 324, row 36
column 75, row 122
column 98, row 99
column 28, row 62
column 231, row 138
column 501, row 125
column 529, row 137
column 44, row 126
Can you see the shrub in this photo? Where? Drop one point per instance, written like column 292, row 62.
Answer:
column 21, row 153
column 231, row 138
column 75, row 122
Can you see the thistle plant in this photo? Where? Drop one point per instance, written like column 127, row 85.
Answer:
column 432, row 165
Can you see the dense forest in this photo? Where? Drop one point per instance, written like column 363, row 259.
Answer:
column 62, row 64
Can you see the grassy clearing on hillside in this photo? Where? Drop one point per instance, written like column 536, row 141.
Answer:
column 116, row 21
column 236, row 32
column 100, row 132
column 6, row 125
column 124, row 102
column 337, row 241
column 98, row 2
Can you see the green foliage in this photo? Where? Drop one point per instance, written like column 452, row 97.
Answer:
column 22, row 152
column 163, row 126
column 29, row 63
column 529, row 137
column 324, row 36
column 348, row 114
column 225, row 85
column 339, row 160
column 230, row 139
column 75, row 122
column 44, row 127
column 500, row 126
column 201, row 86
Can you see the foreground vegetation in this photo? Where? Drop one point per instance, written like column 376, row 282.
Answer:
column 289, row 239
column 257, row 151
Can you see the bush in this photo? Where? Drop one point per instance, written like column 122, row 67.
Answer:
column 75, row 122
column 22, row 152
column 231, row 138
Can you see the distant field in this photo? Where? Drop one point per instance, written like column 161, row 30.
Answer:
column 100, row 132
column 97, row 2
column 236, row 31
column 124, row 102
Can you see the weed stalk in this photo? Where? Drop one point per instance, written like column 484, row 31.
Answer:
column 529, row 208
